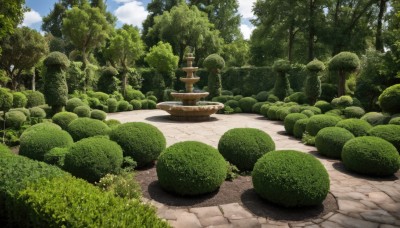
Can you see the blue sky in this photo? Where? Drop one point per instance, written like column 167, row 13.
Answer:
column 127, row 11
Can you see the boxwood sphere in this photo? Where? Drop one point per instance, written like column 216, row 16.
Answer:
column 300, row 127
column 390, row 133
column 272, row 112
column 19, row 100
column 63, row 119
column 246, row 104
column 389, row 100
column 37, row 112
column 244, row 146
column 376, row 118
column 93, row 158
column 141, row 141
column 123, row 106
column 291, row 179
column 35, row 98
column 4, row 150
column 15, row 119
column 41, row 127
column 73, row 103
column 324, row 106
column 82, row 111
column 356, row 126
column 370, row 155
column 330, row 141
column 98, row 114
column 291, row 120
column 318, row 122
column 395, row 120
column 137, row 105
column 112, row 105
column 85, row 127
column 191, row 168
column 353, row 112
column 36, row 143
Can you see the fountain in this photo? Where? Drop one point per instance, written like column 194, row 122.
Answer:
column 190, row 108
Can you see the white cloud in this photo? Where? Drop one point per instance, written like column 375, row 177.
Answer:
column 31, row 17
column 132, row 13
column 246, row 30
column 123, row 1
column 245, row 8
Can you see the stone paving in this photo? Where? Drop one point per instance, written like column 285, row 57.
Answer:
column 362, row 201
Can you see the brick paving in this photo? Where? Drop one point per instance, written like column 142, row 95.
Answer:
column 362, row 201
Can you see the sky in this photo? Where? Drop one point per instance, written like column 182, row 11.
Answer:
column 127, row 11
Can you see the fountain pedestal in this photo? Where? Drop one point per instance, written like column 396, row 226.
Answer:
column 190, row 109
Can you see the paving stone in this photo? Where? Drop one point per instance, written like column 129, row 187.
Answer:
column 245, row 223
column 380, row 198
column 369, row 204
column 170, row 214
column 301, row 224
column 262, row 220
column 390, row 191
column 221, row 226
column 351, row 196
column 328, row 215
column 274, row 226
column 329, row 224
column 186, row 220
column 388, row 226
column 351, row 206
column 317, row 221
column 235, row 211
column 350, row 222
column 213, row 221
column 379, row 216
column 202, row 212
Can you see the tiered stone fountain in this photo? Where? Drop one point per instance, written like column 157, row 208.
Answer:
column 191, row 108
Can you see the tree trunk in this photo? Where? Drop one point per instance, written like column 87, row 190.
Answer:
column 379, row 38
column 34, row 79
column 290, row 43
column 84, row 66
column 342, row 83
column 311, row 30
column 124, row 81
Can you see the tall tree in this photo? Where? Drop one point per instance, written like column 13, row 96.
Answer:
column 21, row 51
column 11, row 14
column 124, row 49
column 379, row 28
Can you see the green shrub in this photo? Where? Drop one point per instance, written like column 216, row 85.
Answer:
column 136, row 104
column 92, row 158
column 73, row 103
column 42, row 127
column 6, row 99
column 85, row 127
column 272, row 98
column 272, row 113
column 123, row 106
column 112, row 105
column 63, row 119
column 291, row 120
column 335, row 112
column 282, row 113
column 291, row 179
column 353, row 112
column 226, row 93
column 390, row 133
column 19, row 100
column 318, row 122
column 94, row 102
column 395, row 120
column 244, row 146
column 214, row 63
column 246, row 104
column 342, row 102
column 143, row 142
column 282, row 84
column 15, row 119
column 151, row 104
column 237, row 97
column 308, row 113
column 329, row 91
column 82, row 111
column 98, row 114
column 232, row 103
column 315, row 110
column 356, row 126
column 47, row 109
column 101, row 96
column 330, row 141
column 298, row 97
column 343, row 63
column 36, row 143
column 4, row 150
column 112, row 123
column 56, row 156
column 37, row 112
column 300, row 127
column 152, row 97
column 25, row 111
column 264, row 109
column 324, row 106
column 145, row 104
column 191, row 168
column 222, row 99
column 262, row 96
column 370, row 155
column 35, row 98
column 132, row 94
column 107, row 82
column 122, row 185
column 376, row 118
column 389, row 100
column 256, row 107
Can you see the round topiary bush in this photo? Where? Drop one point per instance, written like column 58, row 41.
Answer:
column 41, row 127
column 26, row 111
column 141, row 141
column 244, row 146
column 19, row 100
column 214, row 61
column 282, row 113
column 151, row 104
column 35, row 143
column 123, row 106
column 112, row 105
column 246, row 104
column 353, row 112
column 85, row 127
column 191, row 168
column 132, row 94
column 291, row 179
column 232, row 103
column 272, row 112
column 256, row 107
column 6, row 99
column 262, row 96
column 37, row 112
column 93, row 158
column 15, row 119
column 330, row 141
column 315, row 110
column 342, row 102
column 291, row 120
column 4, row 150
column 300, row 127
column 376, row 118
column 152, row 97
column 389, row 100
column 324, row 106
column 272, row 98
column 63, row 119
column 390, row 133
column 56, row 156
column 343, row 63
column 136, row 104
column 318, row 122
column 73, row 103
column 370, row 155
column 82, row 111
column 112, row 123
column 98, row 114
column 395, row 120
column 35, row 98
column 356, row 126
column 308, row 113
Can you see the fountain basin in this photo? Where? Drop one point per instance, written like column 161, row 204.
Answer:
column 190, row 80
column 199, row 112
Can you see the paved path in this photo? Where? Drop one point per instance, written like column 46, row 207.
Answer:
column 363, row 202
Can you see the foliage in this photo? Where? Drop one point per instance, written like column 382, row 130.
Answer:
column 291, row 120
column 344, row 63
column 281, row 66
column 390, row 133
column 389, row 100
column 82, row 111
column 6, row 99
column 93, row 158
column 324, row 106
column 376, row 118
column 298, row 97
column 282, row 84
column 291, row 179
column 136, row 104
column 19, row 100
column 112, row 123
column 42, row 127
column 98, row 114
column 108, row 81
column 112, row 105
column 356, row 126
column 143, row 142
column 11, row 14
column 395, row 120
column 329, row 91
column 123, row 106
column 37, row 112
column 63, row 119
column 246, row 104
column 122, row 185
column 191, row 168
column 342, row 102
column 15, row 119
column 244, row 146
column 262, row 96
column 56, row 156
column 272, row 112
column 318, row 122
column 330, row 141
column 353, row 112
column 313, row 83
column 214, row 63
column 133, row 94
column 256, row 107
column 300, row 127
column 35, row 98
column 86, row 127
column 237, row 53
column 371, row 156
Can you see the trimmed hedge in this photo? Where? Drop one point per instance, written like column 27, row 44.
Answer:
column 324, row 106
column 262, row 96
column 82, row 111
column 291, row 179
column 86, row 127
column 63, row 119
column 123, row 106
column 356, row 126
column 41, row 127
column 395, row 120
column 389, row 100
column 300, row 127
column 93, row 158
column 56, row 156
column 35, row 98
column 112, row 123
column 318, row 122
column 15, row 119
column 291, row 120
column 98, row 114
column 4, row 150
column 136, row 104
column 246, row 104
column 37, row 112
column 112, row 105
column 244, row 146
column 191, row 168
column 330, row 141
column 353, row 112
column 390, row 133
column 73, row 103
column 371, row 155
column 141, row 141
column 272, row 113
column 376, row 118
column 19, row 100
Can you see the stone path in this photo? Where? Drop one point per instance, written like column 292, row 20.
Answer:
column 363, row 202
